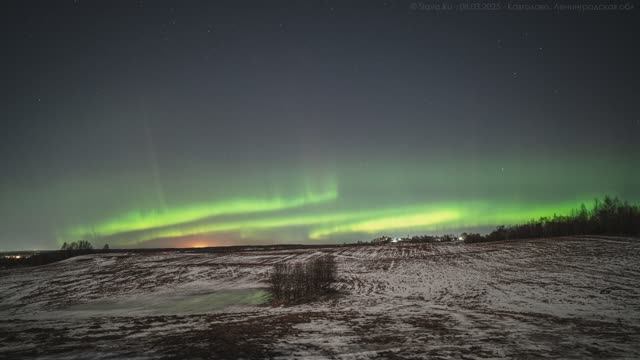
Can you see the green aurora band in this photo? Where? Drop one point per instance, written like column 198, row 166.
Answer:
column 137, row 220
column 332, row 225
column 321, row 204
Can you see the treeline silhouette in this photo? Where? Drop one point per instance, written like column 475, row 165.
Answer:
column 610, row 216
column 77, row 246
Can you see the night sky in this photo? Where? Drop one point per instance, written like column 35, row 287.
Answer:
column 185, row 123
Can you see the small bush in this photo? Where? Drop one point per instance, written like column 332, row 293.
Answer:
column 77, row 245
column 299, row 282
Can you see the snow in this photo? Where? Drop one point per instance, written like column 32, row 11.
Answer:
column 565, row 297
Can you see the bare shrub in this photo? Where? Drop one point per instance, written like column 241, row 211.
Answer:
column 77, row 245
column 299, row 282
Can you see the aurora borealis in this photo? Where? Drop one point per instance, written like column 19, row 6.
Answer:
column 153, row 125
column 349, row 205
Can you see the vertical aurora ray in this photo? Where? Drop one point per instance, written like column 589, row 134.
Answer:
column 153, row 160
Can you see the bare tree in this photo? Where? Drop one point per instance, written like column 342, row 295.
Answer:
column 298, row 282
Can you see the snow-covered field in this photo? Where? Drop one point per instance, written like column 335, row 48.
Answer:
column 560, row 298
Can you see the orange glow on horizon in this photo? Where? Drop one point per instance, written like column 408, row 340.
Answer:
column 200, row 244
column 192, row 242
